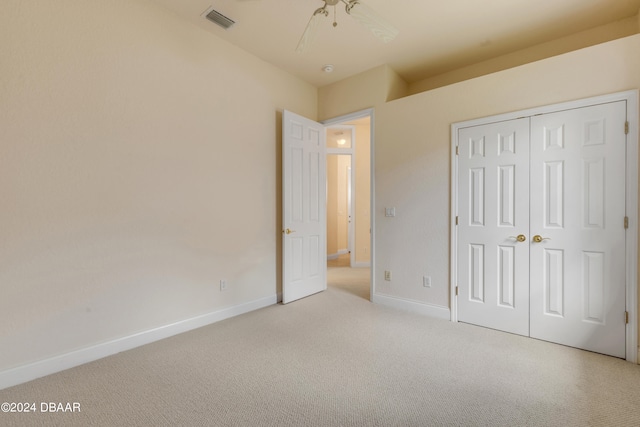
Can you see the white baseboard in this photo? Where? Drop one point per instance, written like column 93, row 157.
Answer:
column 31, row 371
column 362, row 265
column 437, row 311
column 337, row 254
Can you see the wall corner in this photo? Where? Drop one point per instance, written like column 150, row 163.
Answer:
column 397, row 87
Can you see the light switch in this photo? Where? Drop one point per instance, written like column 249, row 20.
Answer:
column 389, row 211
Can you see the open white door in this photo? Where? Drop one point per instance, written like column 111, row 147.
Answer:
column 304, row 220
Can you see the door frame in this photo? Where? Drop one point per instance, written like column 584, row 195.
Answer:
column 631, row 199
column 369, row 112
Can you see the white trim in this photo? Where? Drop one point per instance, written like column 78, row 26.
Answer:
column 348, row 117
column 32, row 371
column 453, row 257
column 372, row 206
column 337, row 254
column 431, row 310
column 361, row 264
column 632, row 232
column 351, row 209
column 631, row 97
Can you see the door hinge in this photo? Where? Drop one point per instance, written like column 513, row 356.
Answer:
column 457, row 150
column 626, row 317
column 456, row 220
column 456, row 290
column 626, row 222
column 626, row 128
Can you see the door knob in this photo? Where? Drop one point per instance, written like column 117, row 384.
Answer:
column 288, row 231
column 538, row 238
column 519, row 237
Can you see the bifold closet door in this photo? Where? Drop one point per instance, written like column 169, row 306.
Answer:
column 493, row 226
column 577, row 210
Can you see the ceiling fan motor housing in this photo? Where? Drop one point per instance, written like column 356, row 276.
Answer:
column 364, row 15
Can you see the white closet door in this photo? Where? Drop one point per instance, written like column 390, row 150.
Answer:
column 493, row 210
column 578, row 209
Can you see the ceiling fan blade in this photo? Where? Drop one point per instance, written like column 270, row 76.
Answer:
column 310, row 32
column 371, row 20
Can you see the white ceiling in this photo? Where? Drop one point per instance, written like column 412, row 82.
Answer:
column 435, row 35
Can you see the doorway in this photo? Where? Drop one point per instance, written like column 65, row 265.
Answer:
column 339, row 209
column 304, row 189
column 349, row 220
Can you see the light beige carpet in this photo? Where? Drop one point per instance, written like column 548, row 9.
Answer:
column 335, row 359
column 355, row 281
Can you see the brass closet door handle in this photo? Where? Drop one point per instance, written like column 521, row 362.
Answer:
column 519, row 237
column 288, row 231
column 538, row 238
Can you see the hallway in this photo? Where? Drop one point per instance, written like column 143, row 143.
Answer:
column 353, row 280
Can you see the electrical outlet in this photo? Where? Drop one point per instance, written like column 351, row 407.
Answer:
column 387, row 275
column 426, row 281
column 223, row 285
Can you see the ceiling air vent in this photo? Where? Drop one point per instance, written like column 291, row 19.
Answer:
column 218, row 18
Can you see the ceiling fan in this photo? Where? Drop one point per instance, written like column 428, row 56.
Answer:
column 359, row 11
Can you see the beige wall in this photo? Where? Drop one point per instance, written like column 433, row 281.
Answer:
column 332, row 205
column 370, row 88
column 139, row 166
column 412, row 149
column 121, row 127
column 337, row 203
column 344, row 162
column 363, row 193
